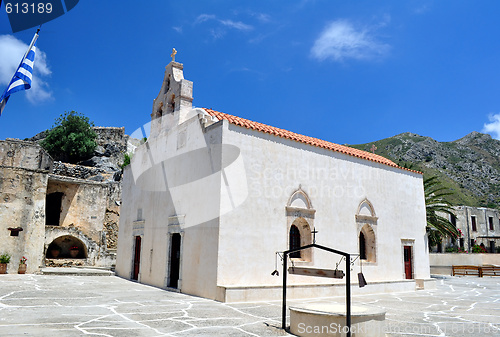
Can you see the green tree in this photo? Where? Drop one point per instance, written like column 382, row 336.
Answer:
column 71, row 139
column 436, row 206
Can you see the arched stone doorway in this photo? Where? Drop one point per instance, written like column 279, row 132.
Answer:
column 64, row 244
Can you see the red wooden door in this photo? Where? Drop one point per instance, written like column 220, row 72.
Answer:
column 408, row 262
column 137, row 258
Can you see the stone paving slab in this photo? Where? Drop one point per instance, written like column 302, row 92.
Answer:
column 65, row 305
column 76, row 271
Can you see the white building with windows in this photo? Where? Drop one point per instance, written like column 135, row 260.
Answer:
column 210, row 198
column 478, row 225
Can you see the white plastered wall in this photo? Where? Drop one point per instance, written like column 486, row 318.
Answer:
column 336, row 184
column 177, row 195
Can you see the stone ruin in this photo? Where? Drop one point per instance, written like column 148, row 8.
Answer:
column 49, row 210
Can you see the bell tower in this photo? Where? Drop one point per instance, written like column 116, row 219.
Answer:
column 175, row 100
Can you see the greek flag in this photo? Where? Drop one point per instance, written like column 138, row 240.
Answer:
column 23, row 75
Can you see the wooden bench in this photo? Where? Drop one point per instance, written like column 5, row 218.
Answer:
column 476, row 271
column 490, row 271
column 466, row 270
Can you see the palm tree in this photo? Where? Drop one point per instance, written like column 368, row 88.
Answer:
column 436, row 206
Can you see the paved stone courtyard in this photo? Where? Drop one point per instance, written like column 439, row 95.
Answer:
column 54, row 305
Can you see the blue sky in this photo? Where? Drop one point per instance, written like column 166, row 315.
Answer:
column 344, row 71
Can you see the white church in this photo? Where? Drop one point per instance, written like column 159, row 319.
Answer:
column 210, row 198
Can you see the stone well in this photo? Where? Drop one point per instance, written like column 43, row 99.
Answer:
column 320, row 319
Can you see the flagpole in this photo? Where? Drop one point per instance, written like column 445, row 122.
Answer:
column 32, row 43
column 29, row 49
column 23, row 76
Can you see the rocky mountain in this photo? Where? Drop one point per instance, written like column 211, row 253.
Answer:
column 469, row 166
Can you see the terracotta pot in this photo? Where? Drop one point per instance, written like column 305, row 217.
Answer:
column 55, row 253
column 22, row 268
column 74, row 253
column 3, row 268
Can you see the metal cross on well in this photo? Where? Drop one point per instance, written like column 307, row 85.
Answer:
column 314, row 234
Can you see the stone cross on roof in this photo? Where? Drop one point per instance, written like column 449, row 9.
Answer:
column 173, row 54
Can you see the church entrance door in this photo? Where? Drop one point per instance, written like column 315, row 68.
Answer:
column 175, row 258
column 137, row 258
column 408, row 262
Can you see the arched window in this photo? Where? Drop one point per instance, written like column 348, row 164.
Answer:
column 362, row 246
column 300, row 221
column 366, row 221
column 294, row 241
column 367, row 244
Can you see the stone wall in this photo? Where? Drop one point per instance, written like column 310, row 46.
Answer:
column 442, row 263
column 83, row 205
column 112, row 216
column 21, row 154
column 90, row 204
column 85, row 172
column 75, row 171
column 106, row 135
column 97, row 255
column 24, row 171
column 111, row 143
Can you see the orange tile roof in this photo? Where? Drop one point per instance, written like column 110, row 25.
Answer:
column 303, row 139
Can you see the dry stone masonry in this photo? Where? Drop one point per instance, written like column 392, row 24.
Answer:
column 57, row 207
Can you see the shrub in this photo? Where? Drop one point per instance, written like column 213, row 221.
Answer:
column 126, row 160
column 478, row 249
column 71, row 139
column 5, row 258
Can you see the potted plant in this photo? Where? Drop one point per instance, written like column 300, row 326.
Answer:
column 22, row 266
column 73, row 251
column 4, row 260
column 55, row 250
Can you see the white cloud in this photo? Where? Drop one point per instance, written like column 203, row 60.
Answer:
column 340, row 40
column 204, row 17
column 493, row 127
column 263, row 17
column 236, row 24
column 11, row 53
column 422, row 9
column 219, row 29
column 217, row 33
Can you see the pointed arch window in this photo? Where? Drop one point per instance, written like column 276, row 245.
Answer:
column 366, row 221
column 367, row 244
column 294, row 241
column 300, row 220
column 362, row 246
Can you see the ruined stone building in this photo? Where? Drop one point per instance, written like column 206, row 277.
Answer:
column 479, row 226
column 59, row 214
column 210, row 198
